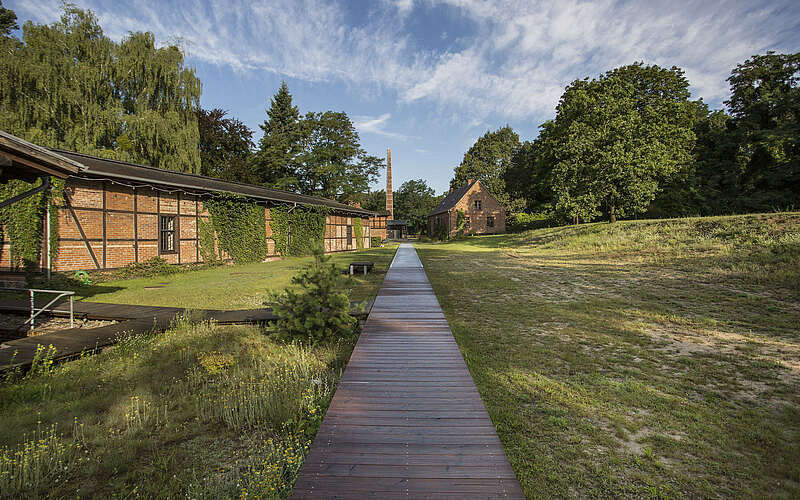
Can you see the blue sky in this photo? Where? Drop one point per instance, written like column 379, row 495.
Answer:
column 428, row 77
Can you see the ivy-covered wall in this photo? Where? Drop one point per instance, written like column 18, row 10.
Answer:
column 240, row 226
column 22, row 225
column 298, row 230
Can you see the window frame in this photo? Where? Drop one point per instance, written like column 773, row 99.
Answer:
column 172, row 234
column 490, row 221
column 478, row 205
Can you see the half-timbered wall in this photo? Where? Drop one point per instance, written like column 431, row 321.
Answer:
column 105, row 225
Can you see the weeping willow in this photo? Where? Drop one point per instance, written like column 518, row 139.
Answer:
column 67, row 85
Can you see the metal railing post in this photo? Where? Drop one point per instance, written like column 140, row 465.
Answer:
column 33, row 307
column 71, row 315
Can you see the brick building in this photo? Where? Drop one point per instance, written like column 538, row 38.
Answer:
column 117, row 213
column 483, row 213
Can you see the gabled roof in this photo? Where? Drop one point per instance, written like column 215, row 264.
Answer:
column 452, row 198
column 121, row 171
column 20, row 159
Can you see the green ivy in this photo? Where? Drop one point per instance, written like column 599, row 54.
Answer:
column 205, row 234
column 358, row 230
column 22, row 222
column 240, row 226
column 305, row 223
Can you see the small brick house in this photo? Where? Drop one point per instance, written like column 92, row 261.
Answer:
column 483, row 213
column 117, row 213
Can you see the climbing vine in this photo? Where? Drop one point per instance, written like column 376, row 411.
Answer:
column 358, row 230
column 298, row 230
column 22, row 222
column 241, row 228
column 205, row 234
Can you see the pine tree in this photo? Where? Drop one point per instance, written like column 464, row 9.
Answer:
column 274, row 162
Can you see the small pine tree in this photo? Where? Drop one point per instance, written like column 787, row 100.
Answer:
column 320, row 310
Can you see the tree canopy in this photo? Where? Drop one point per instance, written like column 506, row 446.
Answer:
column 317, row 154
column 67, row 85
column 488, row 160
column 225, row 147
column 413, row 202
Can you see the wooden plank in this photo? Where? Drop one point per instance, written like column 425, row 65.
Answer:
column 406, row 420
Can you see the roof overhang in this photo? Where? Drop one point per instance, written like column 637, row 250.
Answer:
column 19, row 159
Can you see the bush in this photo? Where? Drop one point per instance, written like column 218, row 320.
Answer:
column 320, row 310
column 155, row 266
column 376, row 241
column 523, row 222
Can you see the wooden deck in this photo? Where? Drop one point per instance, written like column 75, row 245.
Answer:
column 133, row 319
column 406, row 420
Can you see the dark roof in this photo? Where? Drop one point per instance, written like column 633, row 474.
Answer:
column 29, row 161
column 396, row 222
column 452, row 198
column 124, row 171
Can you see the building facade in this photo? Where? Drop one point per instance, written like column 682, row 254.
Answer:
column 115, row 213
column 483, row 214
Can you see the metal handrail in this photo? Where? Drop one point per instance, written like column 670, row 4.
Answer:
column 35, row 312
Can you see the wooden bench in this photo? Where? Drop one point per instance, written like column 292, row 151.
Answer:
column 365, row 266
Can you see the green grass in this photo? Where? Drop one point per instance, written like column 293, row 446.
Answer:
column 201, row 411
column 232, row 286
column 637, row 359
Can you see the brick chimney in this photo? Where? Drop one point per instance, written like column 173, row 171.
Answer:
column 470, row 181
column 389, row 201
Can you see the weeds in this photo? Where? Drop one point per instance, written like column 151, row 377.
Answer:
column 41, row 460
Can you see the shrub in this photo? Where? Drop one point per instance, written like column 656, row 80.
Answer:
column 155, row 266
column 320, row 310
column 523, row 222
column 376, row 241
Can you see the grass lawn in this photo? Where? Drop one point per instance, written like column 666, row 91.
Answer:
column 233, row 286
column 200, row 411
column 639, row 359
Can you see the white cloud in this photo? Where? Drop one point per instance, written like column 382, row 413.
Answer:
column 376, row 125
column 513, row 65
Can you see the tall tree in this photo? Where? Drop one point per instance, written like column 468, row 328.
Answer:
column 8, row 21
column 616, row 137
column 331, row 162
column 69, row 86
column 765, row 105
column 413, row 202
column 373, row 200
column 487, row 160
column 275, row 160
column 225, row 147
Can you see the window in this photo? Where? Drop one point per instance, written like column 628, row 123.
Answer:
column 166, row 237
column 490, row 221
column 477, row 204
column 466, row 222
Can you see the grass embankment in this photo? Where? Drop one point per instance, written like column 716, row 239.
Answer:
column 200, row 411
column 232, row 286
column 643, row 358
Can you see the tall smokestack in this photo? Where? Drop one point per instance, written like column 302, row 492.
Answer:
column 389, row 202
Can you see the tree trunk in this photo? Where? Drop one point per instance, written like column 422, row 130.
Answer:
column 613, row 215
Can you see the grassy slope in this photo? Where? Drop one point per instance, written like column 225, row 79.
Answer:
column 232, row 286
column 645, row 358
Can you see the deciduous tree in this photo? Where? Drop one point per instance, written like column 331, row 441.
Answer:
column 616, row 137
column 225, row 147
column 413, row 202
column 487, row 160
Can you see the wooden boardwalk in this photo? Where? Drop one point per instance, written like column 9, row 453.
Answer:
column 133, row 319
column 406, row 420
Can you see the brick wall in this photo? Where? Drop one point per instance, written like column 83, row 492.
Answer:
column 106, row 225
column 478, row 214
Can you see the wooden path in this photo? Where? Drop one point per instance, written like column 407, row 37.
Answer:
column 406, row 420
column 133, row 319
